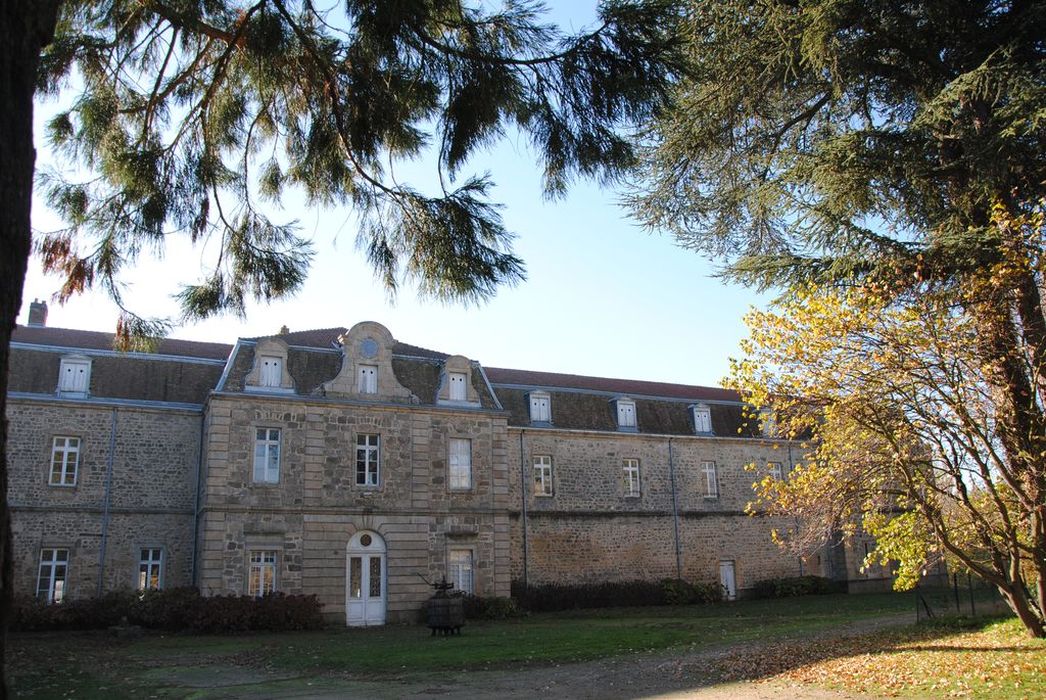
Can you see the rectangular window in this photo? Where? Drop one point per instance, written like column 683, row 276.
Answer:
column 776, row 470
column 459, row 569
column 626, row 413
column 368, row 379
column 271, row 371
column 540, row 408
column 50, row 580
column 65, row 460
column 460, row 460
column 267, row 456
column 367, row 456
column 150, row 569
column 630, row 475
column 542, row 475
column 74, row 376
column 702, row 419
column 711, row 480
column 261, row 577
column 457, row 386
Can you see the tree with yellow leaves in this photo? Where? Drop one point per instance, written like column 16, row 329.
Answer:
column 924, row 413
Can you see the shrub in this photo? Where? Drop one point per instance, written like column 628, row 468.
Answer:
column 494, row 608
column 680, row 592
column 791, row 586
column 609, row 594
column 177, row 609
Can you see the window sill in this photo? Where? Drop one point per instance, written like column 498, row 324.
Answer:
column 256, row 389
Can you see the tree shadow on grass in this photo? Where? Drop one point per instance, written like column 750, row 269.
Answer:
column 753, row 663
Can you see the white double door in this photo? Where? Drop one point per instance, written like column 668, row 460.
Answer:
column 365, row 580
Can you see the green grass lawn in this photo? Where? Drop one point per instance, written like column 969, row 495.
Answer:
column 100, row 665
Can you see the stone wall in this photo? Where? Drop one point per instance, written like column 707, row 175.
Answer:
column 310, row 515
column 589, row 530
column 154, row 459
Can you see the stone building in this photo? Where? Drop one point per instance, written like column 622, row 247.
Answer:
column 346, row 464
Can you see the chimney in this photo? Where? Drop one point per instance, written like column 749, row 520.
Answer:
column 284, row 330
column 38, row 313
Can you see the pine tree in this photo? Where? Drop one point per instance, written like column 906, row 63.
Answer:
column 188, row 113
column 877, row 144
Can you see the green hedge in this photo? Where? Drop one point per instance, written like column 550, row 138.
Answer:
column 494, row 608
column 176, row 609
column 789, row 587
column 612, row 594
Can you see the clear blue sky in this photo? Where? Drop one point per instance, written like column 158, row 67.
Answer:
column 603, row 297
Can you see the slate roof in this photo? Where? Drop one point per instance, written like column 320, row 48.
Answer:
column 622, row 387
column 578, row 402
column 134, row 376
column 415, row 367
column 586, row 403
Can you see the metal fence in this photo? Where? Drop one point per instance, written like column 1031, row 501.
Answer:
column 961, row 595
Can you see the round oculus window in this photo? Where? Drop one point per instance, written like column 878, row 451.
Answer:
column 365, row 540
column 369, row 347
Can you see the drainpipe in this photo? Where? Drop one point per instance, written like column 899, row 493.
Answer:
column 523, row 501
column 675, row 510
column 197, row 500
column 105, row 503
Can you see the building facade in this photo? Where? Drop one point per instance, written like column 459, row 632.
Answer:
column 349, row 465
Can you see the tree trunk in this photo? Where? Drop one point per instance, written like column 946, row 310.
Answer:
column 1019, row 604
column 26, row 26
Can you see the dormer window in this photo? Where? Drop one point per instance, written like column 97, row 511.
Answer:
column 626, row 414
column 367, row 379
column 74, row 376
column 702, row 419
column 768, row 423
column 271, row 374
column 458, row 386
column 540, row 407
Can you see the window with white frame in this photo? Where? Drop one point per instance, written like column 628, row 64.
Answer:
column 267, row 456
column 368, row 454
column 458, row 383
column 367, row 379
column 702, row 419
column 540, row 407
column 708, row 468
column 776, row 470
column 542, row 475
column 460, row 463
column 261, row 575
column 626, row 413
column 65, row 460
column 630, row 478
column 74, row 375
column 459, row 569
column 271, row 371
column 50, row 579
column 150, row 569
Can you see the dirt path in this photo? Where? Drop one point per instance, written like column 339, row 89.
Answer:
column 663, row 674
